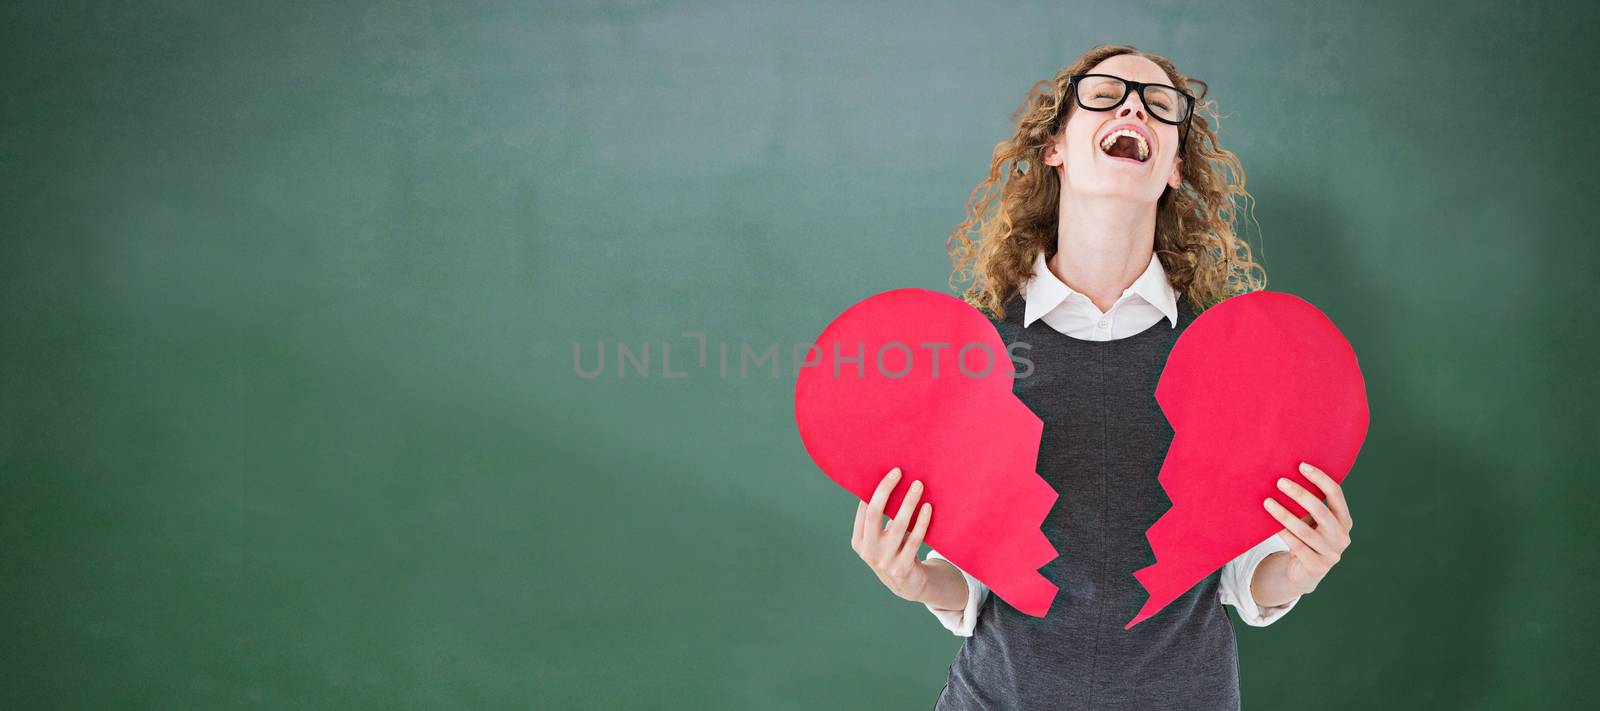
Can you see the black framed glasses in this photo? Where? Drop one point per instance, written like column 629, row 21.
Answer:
column 1105, row 92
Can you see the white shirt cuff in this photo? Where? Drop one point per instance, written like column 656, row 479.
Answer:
column 1237, row 576
column 960, row 622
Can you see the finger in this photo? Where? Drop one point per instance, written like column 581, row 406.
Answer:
column 880, row 497
column 902, row 519
column 1331, row 491
column 914, row 541
column 1327, row 526
column 1299, row 527
column 1297, row 547
column 855, row 534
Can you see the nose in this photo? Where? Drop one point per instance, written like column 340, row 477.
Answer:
column 1133, row 105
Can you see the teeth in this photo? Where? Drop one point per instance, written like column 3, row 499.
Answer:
column 1110, row 138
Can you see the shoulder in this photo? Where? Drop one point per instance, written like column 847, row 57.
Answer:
column 1009, row 326
column 1188, row 308
column 1014, row 309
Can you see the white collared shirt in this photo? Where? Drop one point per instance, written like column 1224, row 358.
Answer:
column 1142, row 305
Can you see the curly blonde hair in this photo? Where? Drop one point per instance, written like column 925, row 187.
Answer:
column 1194, row 238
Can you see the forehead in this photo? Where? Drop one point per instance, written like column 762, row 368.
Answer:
column 1129, row 66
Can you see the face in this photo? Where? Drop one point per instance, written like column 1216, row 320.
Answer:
column 1087, row 170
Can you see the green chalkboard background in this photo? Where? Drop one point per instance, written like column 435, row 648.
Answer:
column 289, row 294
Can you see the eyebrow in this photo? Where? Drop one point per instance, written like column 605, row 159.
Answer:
column 1163, row 81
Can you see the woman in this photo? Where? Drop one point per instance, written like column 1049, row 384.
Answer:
column 1113, row 231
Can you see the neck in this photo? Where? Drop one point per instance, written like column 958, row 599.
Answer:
column 1102, row 246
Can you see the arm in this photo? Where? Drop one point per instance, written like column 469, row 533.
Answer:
column 1305, row 550
column 1314, row 543
column 891, row 552
column 953, row 595
column 1242, row 584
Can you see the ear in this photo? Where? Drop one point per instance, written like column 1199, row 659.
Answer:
column 1176, row 179
column 1052, row 151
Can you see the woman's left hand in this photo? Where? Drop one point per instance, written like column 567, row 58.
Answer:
column 1316, row 545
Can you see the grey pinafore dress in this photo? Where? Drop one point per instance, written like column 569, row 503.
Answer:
column 1103, row 444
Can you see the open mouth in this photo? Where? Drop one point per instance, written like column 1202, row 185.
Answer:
column 1125, row 143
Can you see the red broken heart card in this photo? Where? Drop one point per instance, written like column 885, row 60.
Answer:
column 920, row 380
column 1254, row 386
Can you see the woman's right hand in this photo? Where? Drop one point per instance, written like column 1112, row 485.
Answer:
column 891, row 551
